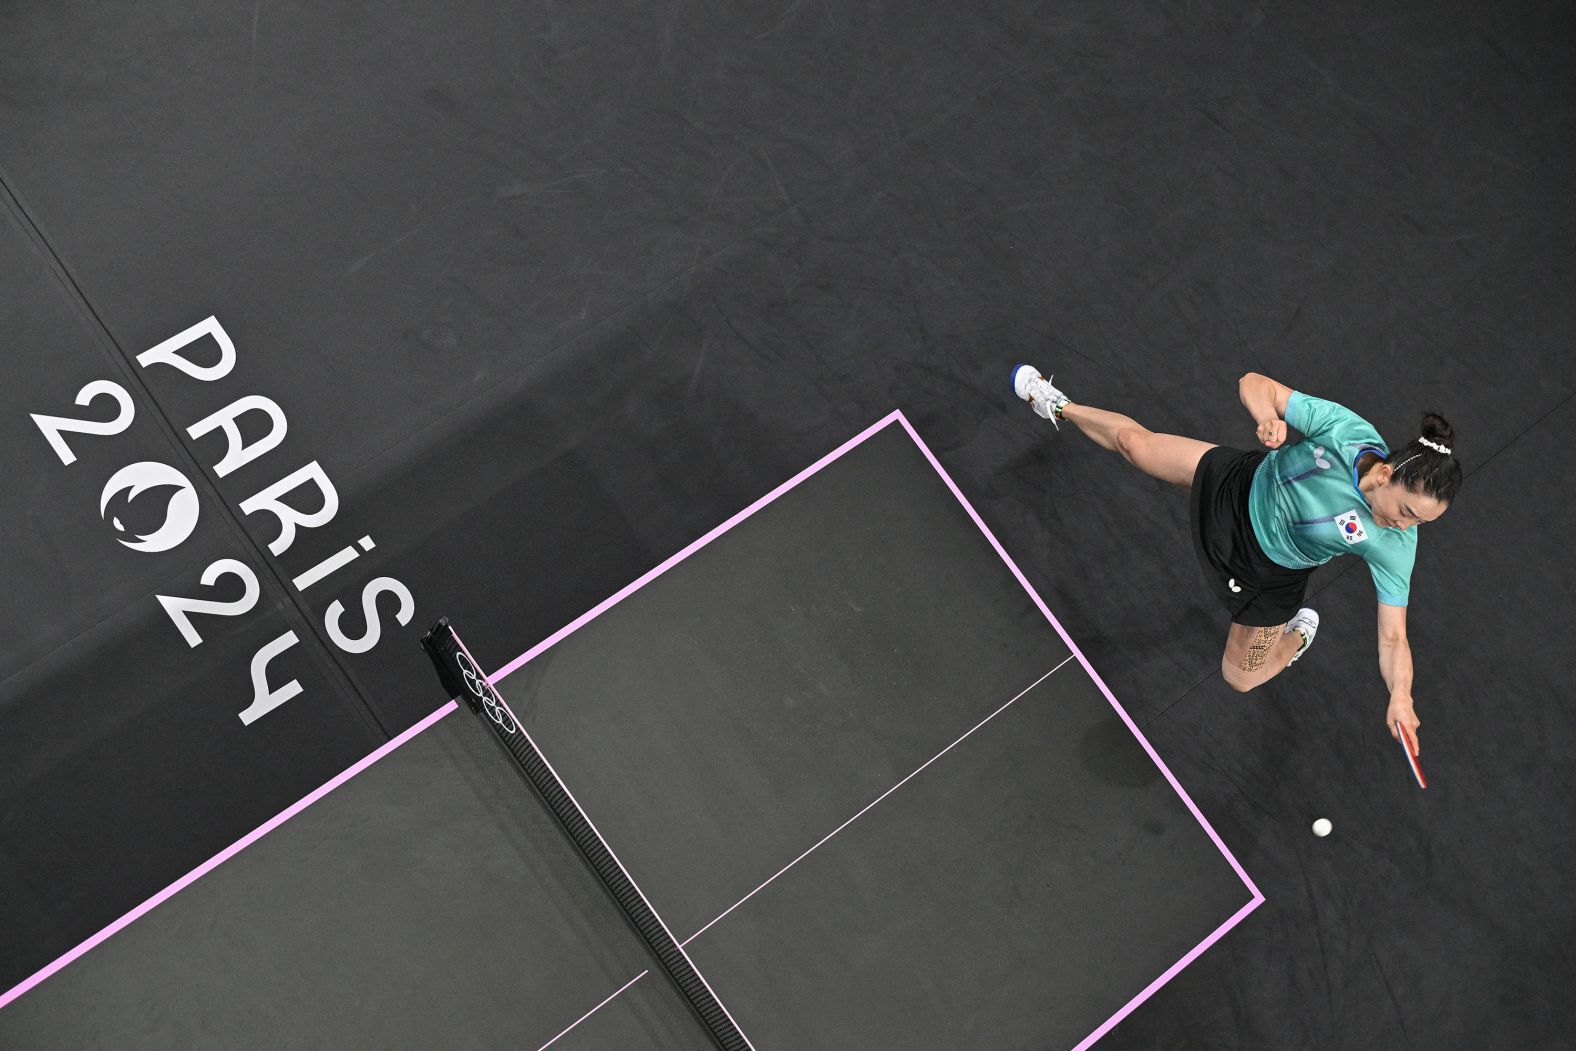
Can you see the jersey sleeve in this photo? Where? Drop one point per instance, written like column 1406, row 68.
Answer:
column 1393, row 575
column 1328, row 421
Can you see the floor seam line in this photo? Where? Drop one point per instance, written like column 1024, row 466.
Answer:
column 117, row 353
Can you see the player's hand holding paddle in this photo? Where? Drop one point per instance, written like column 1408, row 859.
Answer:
column 1272, row 432
column 1403, row 727
column 1402, row 717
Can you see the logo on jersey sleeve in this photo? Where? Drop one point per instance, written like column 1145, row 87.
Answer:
column 1351, row 527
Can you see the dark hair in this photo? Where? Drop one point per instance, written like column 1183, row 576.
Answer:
column 1425, row 470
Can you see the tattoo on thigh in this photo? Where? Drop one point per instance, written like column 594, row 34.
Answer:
column 1259, row 649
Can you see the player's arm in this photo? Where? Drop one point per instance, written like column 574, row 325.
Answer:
column 1395, row 664
column 1265, row 399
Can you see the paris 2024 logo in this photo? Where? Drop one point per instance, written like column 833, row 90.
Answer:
column 152, row 507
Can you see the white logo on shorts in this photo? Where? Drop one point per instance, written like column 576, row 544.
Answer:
column 1233, row 585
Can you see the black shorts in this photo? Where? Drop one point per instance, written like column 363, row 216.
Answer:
column 1253, row 589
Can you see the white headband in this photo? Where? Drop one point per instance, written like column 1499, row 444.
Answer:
column 1432, row 445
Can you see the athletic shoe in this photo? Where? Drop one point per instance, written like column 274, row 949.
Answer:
column 1306, row 622
column 1028, row 384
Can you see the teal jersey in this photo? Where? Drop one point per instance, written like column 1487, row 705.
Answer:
column 1306, row 508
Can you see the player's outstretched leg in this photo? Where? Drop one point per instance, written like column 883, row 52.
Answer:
column 1168, row 457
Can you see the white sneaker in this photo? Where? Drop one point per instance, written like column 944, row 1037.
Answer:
column 1028, row 384
column 1307, row 623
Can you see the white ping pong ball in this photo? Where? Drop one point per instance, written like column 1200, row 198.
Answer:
column 1322, row 827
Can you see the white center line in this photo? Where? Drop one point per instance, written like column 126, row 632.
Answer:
column 873, row 802
column 814, row 848
column 593, row 1011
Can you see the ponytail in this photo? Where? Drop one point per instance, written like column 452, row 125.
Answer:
column 1428, row 465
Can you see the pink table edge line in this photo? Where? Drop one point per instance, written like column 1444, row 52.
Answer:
column 1257, row 898
column 1120, row 711
column 690, row 548
column 1170, row 972
column 224, row 855
column 898, row 417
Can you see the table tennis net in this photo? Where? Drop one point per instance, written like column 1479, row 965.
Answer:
column 462, row 678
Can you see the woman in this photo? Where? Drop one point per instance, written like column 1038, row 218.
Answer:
column 1262, row 521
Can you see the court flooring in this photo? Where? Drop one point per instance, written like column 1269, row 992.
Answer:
column 528, row 300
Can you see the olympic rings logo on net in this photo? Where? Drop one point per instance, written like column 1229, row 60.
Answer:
column 483, row 691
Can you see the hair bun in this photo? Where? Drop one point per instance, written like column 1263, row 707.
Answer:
column 1437, row 428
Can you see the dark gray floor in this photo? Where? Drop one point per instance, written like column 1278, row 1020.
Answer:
column 549, row 293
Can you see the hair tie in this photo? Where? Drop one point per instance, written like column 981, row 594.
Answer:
column 1436, row 446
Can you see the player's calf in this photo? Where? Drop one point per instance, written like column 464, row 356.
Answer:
column 1253, row 666
column 1255, row 655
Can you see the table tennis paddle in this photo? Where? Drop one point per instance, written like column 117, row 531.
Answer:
column 1411, row 757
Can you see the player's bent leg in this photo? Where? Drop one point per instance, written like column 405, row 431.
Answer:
column 1255, row 655
column 1168, row 457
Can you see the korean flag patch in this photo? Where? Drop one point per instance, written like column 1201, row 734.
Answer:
column 1351, row 527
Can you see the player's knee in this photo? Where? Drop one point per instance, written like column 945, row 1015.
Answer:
column 1237, row 679
column 1131, row 440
